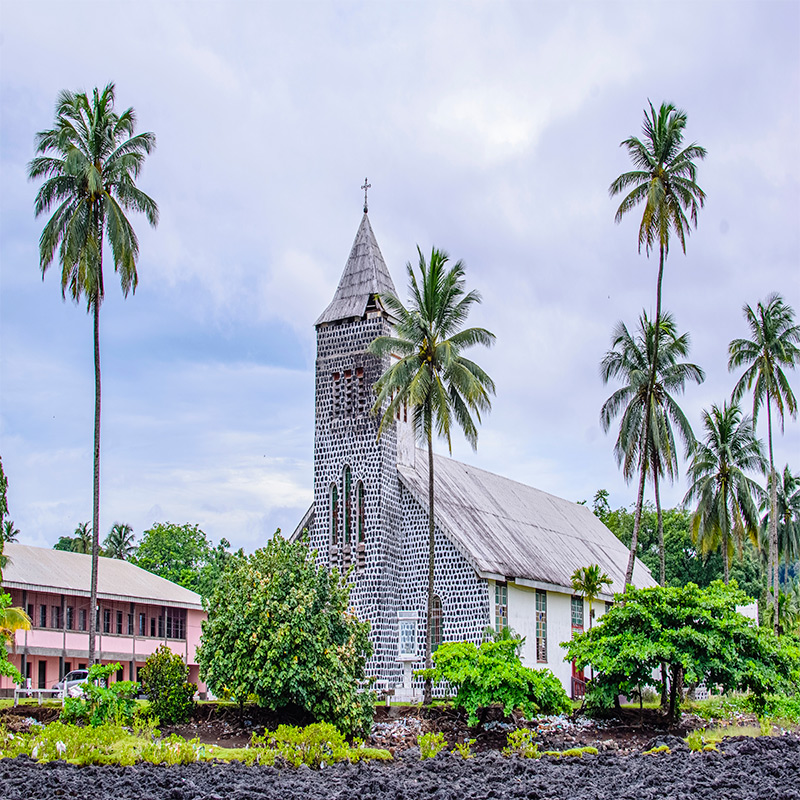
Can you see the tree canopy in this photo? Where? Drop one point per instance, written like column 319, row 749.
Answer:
column 280, row 632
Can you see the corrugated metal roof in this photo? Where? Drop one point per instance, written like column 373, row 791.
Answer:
column 509, row 529
column 59, row 571
column 364, row 275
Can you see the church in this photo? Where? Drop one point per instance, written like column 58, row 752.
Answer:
column 504, row 552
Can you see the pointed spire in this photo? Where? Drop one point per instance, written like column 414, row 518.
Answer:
column 365, row 274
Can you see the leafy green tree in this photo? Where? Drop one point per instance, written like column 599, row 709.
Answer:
column 664, row 183
column 648, row 407
column 165, row 681
column 697, row 632
column 181, row 554
column 120, row 542
column 774, row 346
column 432, row 377
column 279, row 630
column 11, row 620
column 788, row 514
column 726, row 511
column 493, row 673
column 589, row 582
column 89, row 161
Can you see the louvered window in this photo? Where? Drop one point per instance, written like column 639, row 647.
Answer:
column 541, row 625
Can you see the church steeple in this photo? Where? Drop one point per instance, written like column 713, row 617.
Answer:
column 365, row 275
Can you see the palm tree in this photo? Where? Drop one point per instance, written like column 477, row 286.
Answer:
column 82, row 543
column 9, row 533
column 646, row 442
column 774, row 346
column 431, row 377
column 589, row 582
column 788, row 517
column 726, row 510
column 664, row 182
column 89, row 161
column 120, row 542
column 12, row 619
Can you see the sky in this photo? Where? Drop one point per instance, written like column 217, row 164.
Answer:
column 488, row 129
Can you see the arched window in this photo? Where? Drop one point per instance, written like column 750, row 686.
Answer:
column 360, row 505
column 333, row 496
column 348, row 506
column 437, row 623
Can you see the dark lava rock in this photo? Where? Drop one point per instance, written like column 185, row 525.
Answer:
column 754, row 769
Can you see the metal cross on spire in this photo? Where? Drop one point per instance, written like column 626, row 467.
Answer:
column 365, row 187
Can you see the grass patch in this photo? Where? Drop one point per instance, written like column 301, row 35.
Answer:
column 708, row 738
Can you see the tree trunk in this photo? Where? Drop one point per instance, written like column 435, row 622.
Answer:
column 427, row 695
column 651, row 383
column 95, row 484
column 675, row 691
column 726, row 569
column 773, row 521
column 661, row 555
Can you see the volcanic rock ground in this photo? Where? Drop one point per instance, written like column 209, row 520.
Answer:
column 766, row 768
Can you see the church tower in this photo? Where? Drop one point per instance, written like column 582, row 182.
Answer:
column 356, row 486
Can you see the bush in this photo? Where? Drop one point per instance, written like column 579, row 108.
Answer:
column 493, row 673
column 431, row 744
column 279, row 628
column 164, row 681
column 521, row 743
column 100, row 702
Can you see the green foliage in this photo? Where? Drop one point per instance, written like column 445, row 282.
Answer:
column 164, row 679
column 493, row 673
column 315, row 745
column 656, row 750
column 464, row 749
column 431, row 744
column 182, row 554
column 521, row 743
column 580, row 752
column 697, row 632
column 102, row 703
column 7, row 669
column 279, row 628
column 683, row 561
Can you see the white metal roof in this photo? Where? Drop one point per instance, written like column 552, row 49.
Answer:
column 509, row 530
column 364, row 275
column 40, row 569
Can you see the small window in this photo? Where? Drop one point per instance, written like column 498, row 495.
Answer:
column 161, row 627
column 119, row 623
column 82, row 619
column 142, row 624
column 577, row 613
column 55, row 617
column 106, row 620
column 42, row 616
column 500, row 606
column 408, row 637
column 70, row 618
column 153, row 626
column 130, row 624
column 541, row 625
column 436, row 623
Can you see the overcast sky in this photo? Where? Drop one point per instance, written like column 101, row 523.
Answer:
column 491, row 130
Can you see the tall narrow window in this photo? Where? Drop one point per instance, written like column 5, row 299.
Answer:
column 119, row 622
column 337, row 395
column 360, row 504
column 348, row 509
column 106, row 620
column 334, row 498
column 577, row 614
column 437, row 623
column 70, row 618
column 82, row 622
column 500, row 606
column 362, row 393
column 42, row 616
column 541, row 625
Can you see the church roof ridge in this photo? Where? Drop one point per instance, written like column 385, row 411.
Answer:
column 365, row 274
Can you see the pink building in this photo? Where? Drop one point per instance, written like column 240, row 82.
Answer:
column 136, row 612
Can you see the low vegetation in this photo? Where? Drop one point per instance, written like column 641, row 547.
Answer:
column 165, row 681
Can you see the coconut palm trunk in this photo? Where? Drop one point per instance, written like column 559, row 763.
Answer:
column 660, row 515
column 427, row 694
column 773, row 522
column 95, row 486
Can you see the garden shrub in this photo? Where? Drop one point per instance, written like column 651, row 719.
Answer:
column 101, row 702
column 493, row 673
column 521, row 743
column 431, row 744
column 279, row 628
column 164, row 681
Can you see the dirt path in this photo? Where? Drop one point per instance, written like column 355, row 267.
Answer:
column 744, row 769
